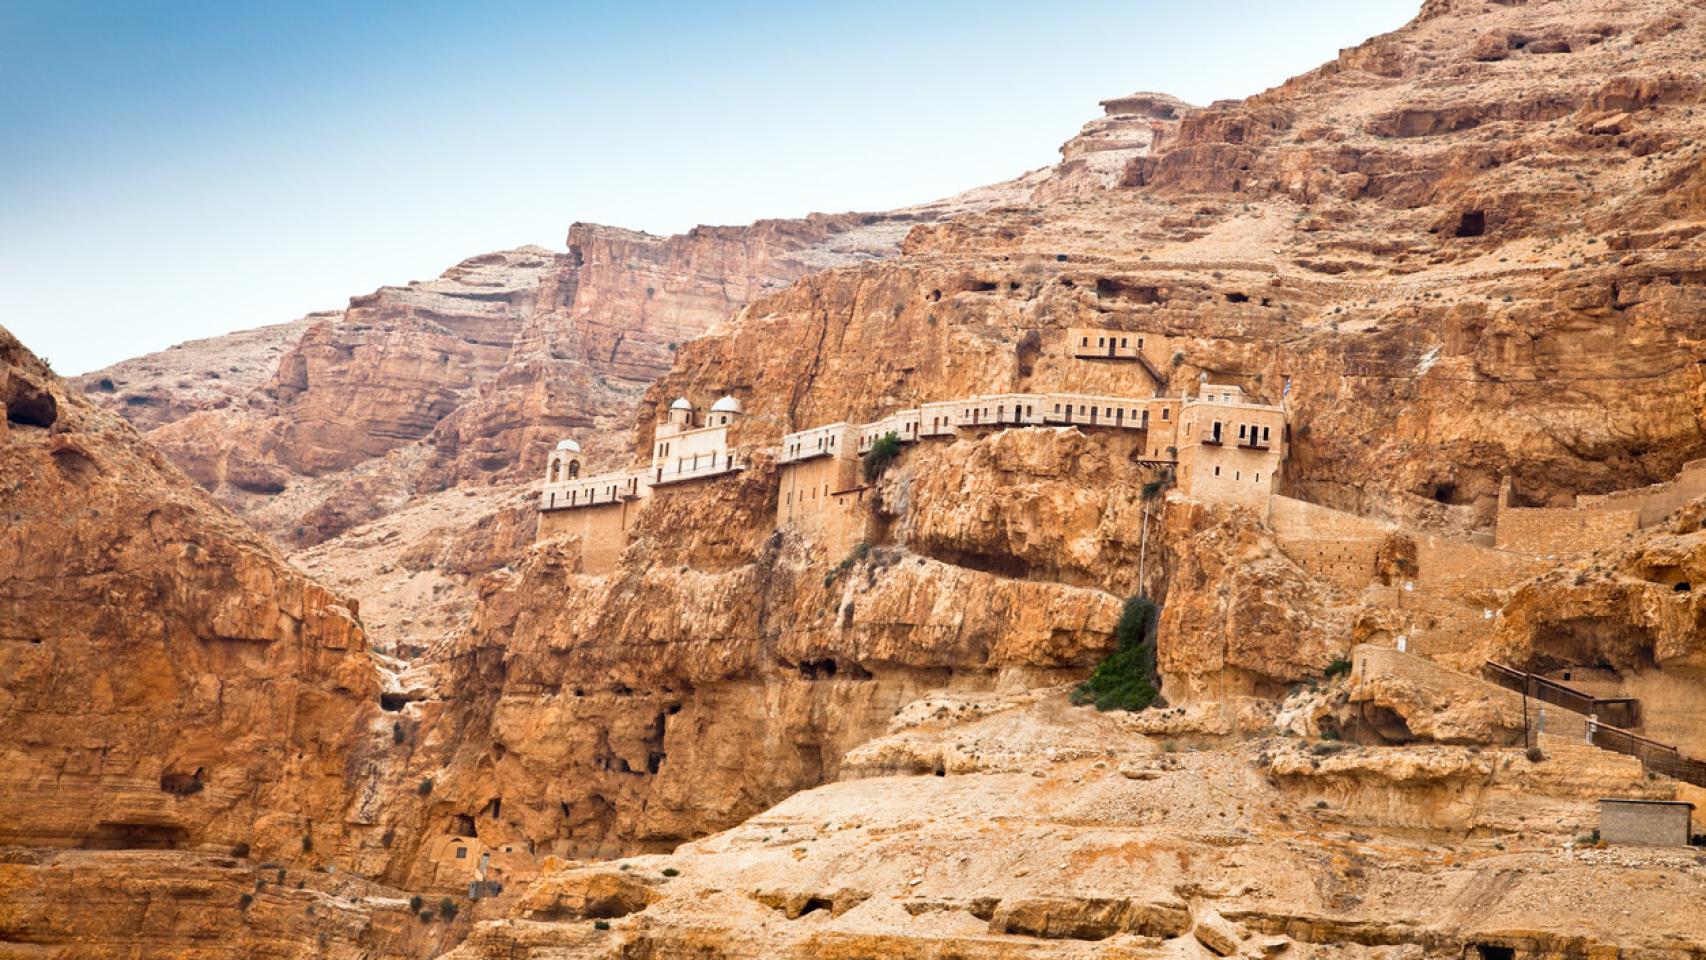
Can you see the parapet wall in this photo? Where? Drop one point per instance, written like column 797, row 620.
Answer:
column 1558, row 531
column 1466, row 572
column 1332, row 545
column 603, row 531
column 1597, row 519
column 1656, row 502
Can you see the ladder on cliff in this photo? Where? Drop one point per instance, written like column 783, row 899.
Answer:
column 1660, row 758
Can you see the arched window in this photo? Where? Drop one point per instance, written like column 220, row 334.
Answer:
column 556, row 466
column 574, row 469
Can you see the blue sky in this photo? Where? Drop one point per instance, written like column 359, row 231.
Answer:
column 179, row 170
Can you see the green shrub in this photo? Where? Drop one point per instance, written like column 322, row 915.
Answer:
column 415, row 903
column 671, row 872
column 244, row 901
column 447, row 908
column 1126, row 680
column 425, row 788
column 1338, row 668
column 397, row 732
column 882, row 453
column 601, row 924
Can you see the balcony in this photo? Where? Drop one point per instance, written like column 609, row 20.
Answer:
column 1253, row 444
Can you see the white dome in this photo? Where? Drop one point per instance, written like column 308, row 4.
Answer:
column 681, row 404
column 727, row 405
column 569, row 445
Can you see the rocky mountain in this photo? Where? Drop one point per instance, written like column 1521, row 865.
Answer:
column 181, row 706
column 1461, row 253
column 1463, row 258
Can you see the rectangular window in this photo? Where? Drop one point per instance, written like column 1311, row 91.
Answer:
column 1122, row 343
column 1164, row 413
column 1086, row 342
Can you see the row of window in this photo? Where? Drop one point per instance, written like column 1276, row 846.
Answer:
column 589, row 495
column 1109, row 341
column 1249, row 434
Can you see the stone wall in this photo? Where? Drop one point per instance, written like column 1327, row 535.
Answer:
column 602, row 530
column 823, row 499
column 1645, row 822
column 1464, row 571
column 1656, row 502
column 1330, row 544
column 1560, row 531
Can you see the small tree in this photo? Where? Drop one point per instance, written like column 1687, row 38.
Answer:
column 1126, row 680
column 882, row 453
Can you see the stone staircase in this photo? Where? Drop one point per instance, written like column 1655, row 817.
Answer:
column 1601, row 721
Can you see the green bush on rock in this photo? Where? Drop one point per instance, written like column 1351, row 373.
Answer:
column 1126, row 680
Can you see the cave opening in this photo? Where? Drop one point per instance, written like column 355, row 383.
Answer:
column 1492, row 951
column 816, row 669
column 1140, row 294
column 33, row 409
column 1473, row 223
column 135, row 836
column 817, row 903
column 183, row 784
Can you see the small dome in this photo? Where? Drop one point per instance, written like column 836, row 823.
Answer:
column 681, row 404
column 727, row 405
column 569, row 445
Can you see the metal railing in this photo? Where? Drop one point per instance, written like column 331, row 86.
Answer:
column 1656, row 757
column 1616, row 711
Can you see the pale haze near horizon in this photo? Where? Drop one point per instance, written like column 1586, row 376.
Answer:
column 175, row 171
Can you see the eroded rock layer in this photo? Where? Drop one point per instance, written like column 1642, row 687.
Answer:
column 1464, row 253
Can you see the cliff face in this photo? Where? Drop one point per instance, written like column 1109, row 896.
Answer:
column 171, row 682
column 1435, row 300
column 1466, row 251
column 759, row 670
column 180, row 705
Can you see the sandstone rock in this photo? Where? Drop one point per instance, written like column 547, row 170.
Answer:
column 1219, row 935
